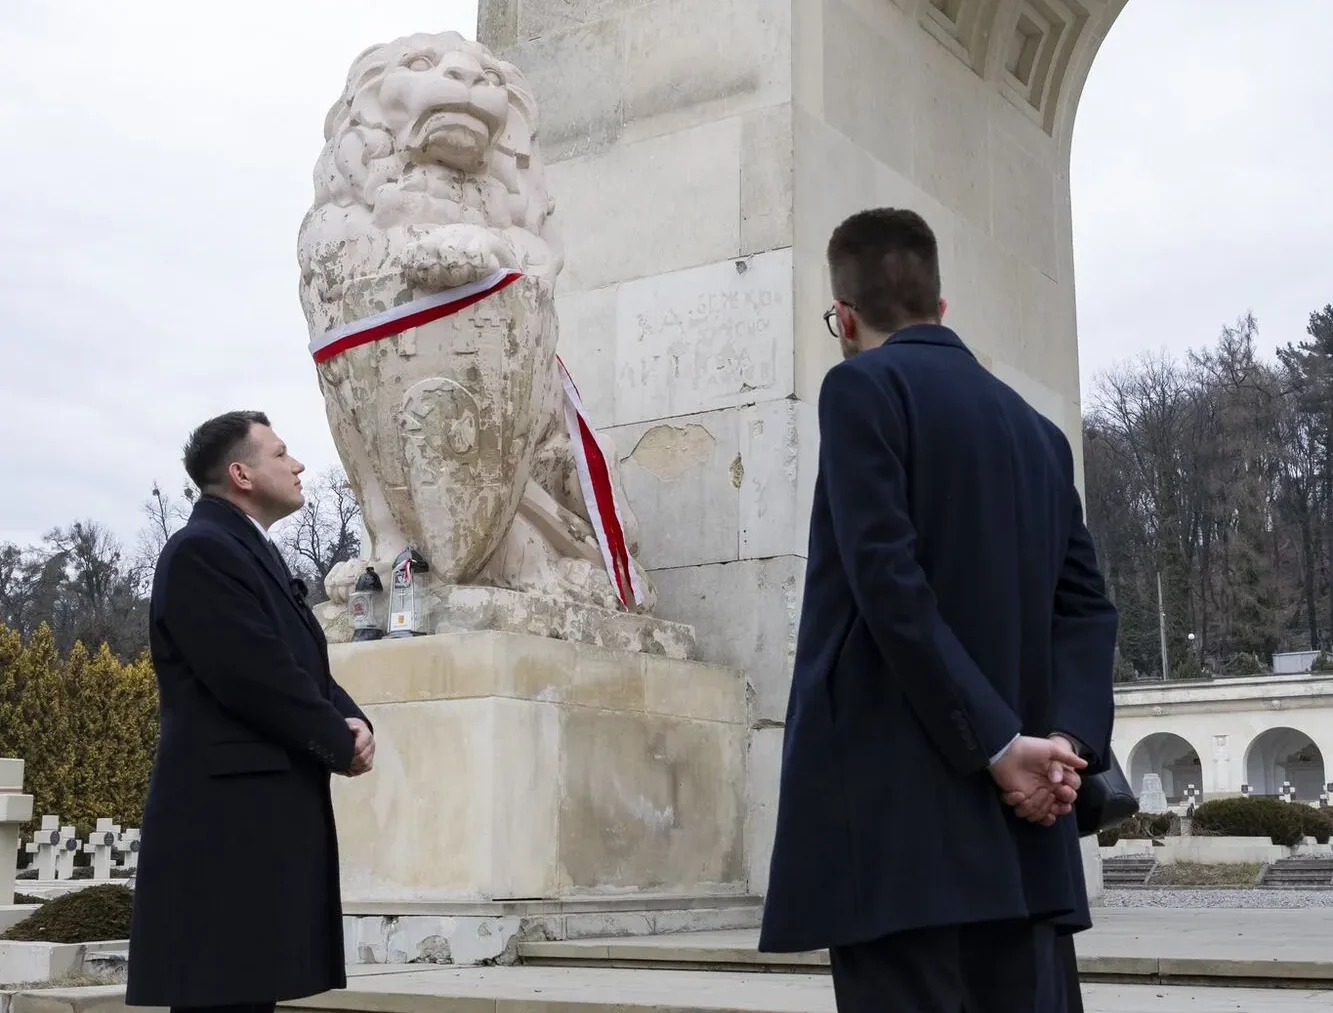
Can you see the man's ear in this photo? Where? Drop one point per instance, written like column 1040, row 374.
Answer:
column 944, row 307
column 847, row 322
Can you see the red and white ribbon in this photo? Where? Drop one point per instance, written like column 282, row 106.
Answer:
column 410, row 314
column 599, row 495
column 594, row 472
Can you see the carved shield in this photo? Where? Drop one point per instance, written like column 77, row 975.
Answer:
column 449, row 414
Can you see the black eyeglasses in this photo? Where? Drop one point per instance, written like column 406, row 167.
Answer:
column 831, row 315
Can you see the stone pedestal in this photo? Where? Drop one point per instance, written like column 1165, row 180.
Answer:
column 1092, row 871
column 513, row 768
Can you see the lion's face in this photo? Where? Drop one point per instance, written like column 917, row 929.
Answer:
column 443, row 99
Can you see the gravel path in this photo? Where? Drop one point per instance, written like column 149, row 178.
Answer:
column 1219, row 898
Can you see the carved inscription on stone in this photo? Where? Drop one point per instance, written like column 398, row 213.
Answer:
column 710, row 337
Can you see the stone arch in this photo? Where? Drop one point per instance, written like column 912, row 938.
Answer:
column 1285, row 754
column 1172, row 757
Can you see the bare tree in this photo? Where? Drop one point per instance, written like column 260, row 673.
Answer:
column 324, row 532
column 165, row 513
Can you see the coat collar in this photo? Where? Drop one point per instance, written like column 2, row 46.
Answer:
column 928, row 334
column 228, row 515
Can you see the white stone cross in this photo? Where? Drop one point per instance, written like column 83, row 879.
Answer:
column 127, row 846
column 15, row 810
column 46, row 844
column 101, row 844
column 65, row 852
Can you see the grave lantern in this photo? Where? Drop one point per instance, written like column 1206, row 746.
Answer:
column 1287, row 791
column 407, row 596
column 361, row 606
column 1245, row 791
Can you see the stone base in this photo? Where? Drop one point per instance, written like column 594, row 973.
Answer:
column 465, row 934
column 28, row 962
column 457, row 608
column 12, row 914
column 512, row 767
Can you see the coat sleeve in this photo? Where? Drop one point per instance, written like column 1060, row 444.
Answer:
column 1083, row 633
column 347, row 706
column 216, row 620
column 861, row 460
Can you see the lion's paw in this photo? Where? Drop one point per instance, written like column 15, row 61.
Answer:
column 342, row 578
column 453, row 255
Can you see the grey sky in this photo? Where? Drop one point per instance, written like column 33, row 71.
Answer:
column 157, row 167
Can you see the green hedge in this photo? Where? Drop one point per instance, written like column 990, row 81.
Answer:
column 95, row 914
column 1284, row 823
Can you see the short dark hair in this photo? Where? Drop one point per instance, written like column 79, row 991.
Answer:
column 885, row 264
column 214, row 444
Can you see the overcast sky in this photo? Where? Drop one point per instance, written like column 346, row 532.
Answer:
column 155, row 171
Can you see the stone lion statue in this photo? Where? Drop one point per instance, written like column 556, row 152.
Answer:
column 453, row 434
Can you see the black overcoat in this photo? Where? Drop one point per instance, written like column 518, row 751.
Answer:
column 952, row 600
column 236, row 897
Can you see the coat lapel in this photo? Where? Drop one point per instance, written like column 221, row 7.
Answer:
column 235, row 520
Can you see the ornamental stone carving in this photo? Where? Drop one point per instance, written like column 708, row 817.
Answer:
column 431, row 209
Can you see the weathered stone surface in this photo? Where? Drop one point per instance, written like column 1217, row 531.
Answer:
column 456, row 608
column 453, row 433
column 516, row 767
column 704, row 338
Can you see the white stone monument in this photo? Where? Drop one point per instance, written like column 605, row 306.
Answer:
column 550, row 741
column 1152, row 799
column 702, row 152
column 460, row 434
column 101, row 845
column 15, row 810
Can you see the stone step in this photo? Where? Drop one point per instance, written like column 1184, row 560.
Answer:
column 1127, row 871
column 1298, row 873
column 1108, row 955
column 468, row 932
column 593, row 990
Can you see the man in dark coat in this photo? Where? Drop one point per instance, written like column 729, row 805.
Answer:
column 953, row 664
column 236, row 901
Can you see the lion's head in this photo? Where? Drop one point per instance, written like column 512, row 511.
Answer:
column 433, row 128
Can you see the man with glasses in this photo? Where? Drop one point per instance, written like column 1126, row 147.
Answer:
column 953, row 665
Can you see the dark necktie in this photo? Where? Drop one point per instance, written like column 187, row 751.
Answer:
column 295, row 583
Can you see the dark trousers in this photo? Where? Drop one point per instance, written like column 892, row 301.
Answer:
column 1067, row 967
column 993, row 967
column 244, row 1007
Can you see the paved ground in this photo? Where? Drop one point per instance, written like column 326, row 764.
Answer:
column 1264, row 941
column 531, row 989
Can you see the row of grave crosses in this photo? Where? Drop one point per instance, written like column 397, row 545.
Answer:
column 55, row 847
